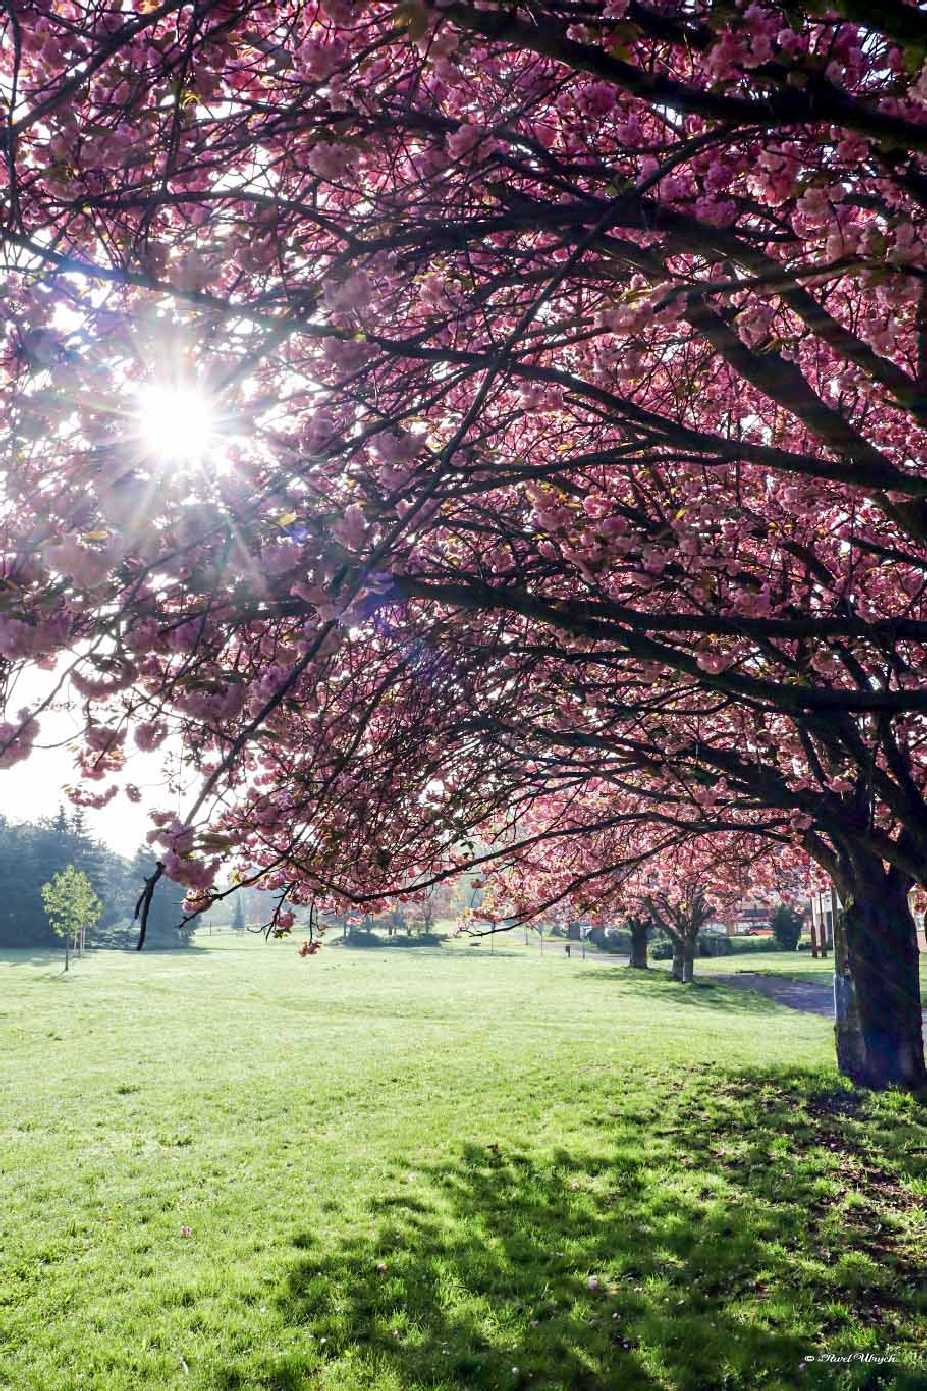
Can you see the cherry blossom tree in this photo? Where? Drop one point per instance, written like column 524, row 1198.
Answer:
column 685, row 897
column 584, row 344
column 653, row 869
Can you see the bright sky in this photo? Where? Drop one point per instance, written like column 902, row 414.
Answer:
column 35, row 787
column 176, row 422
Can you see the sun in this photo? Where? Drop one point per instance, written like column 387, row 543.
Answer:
column 176, row 425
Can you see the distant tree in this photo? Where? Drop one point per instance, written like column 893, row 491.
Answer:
column 30, row 855
column 238, row 916
column 422, row 915
column 393, row 919
column 71, row 907
column 465, row 894
column 681, row 911
column 106, row 870
column 786, row 926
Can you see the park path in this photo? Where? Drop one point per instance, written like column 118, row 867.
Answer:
column 814, row 997
column 810, row 996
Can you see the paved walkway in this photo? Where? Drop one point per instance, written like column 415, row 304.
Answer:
column 811, row 996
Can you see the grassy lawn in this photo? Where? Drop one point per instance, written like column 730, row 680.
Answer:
column 232, row 1170
column 800, row 964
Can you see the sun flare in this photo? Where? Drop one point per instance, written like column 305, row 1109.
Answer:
column 176, row 425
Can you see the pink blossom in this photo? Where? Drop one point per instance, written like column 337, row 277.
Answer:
column 85, row 567
column 351, row 530
column 149, row 736
column 464, row 141
column 351, row 294
column 330, row 161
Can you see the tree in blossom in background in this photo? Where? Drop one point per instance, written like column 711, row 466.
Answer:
column 685, row 897
column 584, row 346
column 645, row 869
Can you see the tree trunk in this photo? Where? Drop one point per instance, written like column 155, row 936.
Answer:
column 683, row 961
column 67, row 954
column 638, row 957
column 877, row 998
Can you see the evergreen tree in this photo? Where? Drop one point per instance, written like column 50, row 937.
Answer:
column 33, row 853
column 786, row 926
column 100, row 865
column 40, row 852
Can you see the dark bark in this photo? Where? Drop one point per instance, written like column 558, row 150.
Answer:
column 877, row 1001
column 683, row 961
column 638, row 928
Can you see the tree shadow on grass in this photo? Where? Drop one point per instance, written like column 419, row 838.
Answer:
column 703, row 992
column 53, row 957
column 719, row 1233
column 32, row 956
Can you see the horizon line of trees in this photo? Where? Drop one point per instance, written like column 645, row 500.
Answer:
column 32, row 853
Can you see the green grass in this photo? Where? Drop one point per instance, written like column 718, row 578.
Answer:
column 401, row 1170
column 781, row 963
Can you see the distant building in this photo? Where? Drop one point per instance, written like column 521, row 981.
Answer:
column 752, row 915
column 824, row 906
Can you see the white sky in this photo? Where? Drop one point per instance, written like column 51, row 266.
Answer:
column 35, row 787
column 176, row 422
